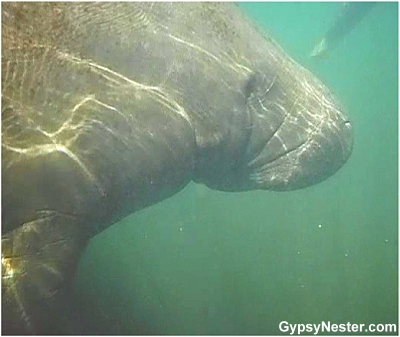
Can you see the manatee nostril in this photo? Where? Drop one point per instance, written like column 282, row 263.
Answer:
column 348, row 128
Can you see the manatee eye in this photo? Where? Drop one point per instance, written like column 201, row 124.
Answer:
column 259, row 84
column 250, row 85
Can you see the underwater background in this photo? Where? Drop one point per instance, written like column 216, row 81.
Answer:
column 209, row 262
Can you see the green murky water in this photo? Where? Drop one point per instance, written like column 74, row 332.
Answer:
column 206, row 262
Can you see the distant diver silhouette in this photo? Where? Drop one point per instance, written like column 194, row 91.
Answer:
column 349, row 16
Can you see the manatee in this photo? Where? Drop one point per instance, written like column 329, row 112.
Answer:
column 108, row 108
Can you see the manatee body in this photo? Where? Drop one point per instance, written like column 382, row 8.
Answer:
column 111, row 107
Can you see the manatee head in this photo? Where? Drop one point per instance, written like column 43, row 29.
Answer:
column 297, row 134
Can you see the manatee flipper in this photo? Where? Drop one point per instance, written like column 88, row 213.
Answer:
column 348, row 18
column 36, row 276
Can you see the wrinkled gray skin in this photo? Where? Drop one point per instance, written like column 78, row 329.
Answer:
column 109, row 108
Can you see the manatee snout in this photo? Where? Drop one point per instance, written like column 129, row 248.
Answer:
column 323, row 153
column 308, row 139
